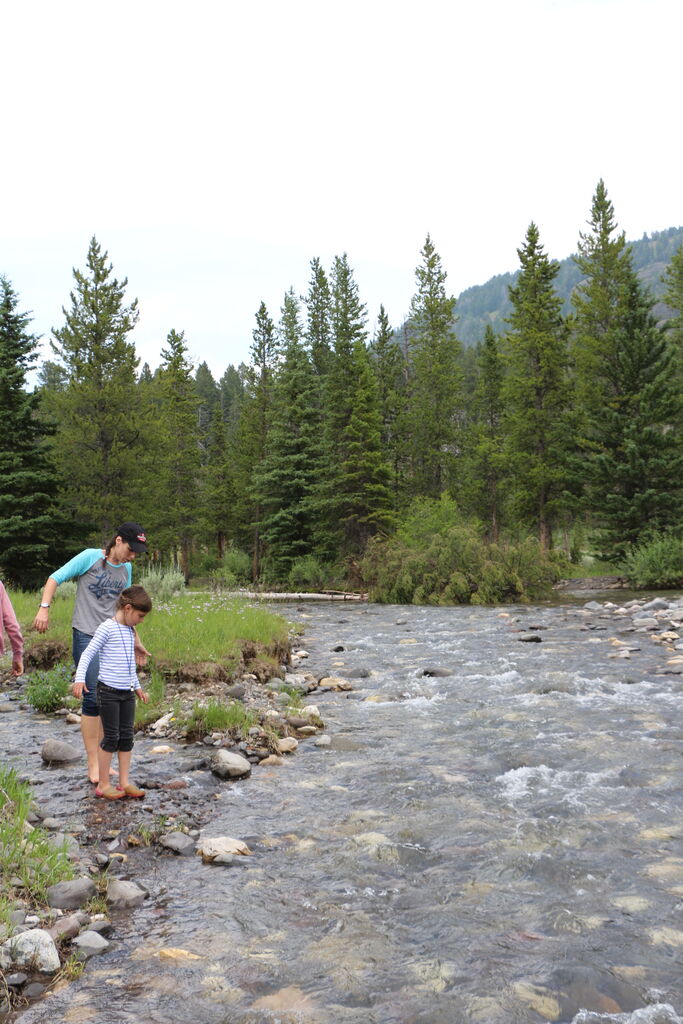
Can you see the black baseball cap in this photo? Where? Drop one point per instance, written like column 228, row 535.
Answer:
column 134, row 536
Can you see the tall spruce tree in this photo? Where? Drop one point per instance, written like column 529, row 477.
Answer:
column 633, row 455
column 353, row 496
column 485, row 459
column 286, row 476
column 32, row 526
column 100, row 433
column 434, row 393
column 599, row 301
column 390, row 369
column 208, row 395
column 252, row 432
column 673, row 281
column 180, row 460
column 219, row 499
column 319, row 318
column 536, row 392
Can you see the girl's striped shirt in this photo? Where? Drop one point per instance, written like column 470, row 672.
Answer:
column 115, row 644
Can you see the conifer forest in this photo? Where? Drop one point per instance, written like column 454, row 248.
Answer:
column 403, row 462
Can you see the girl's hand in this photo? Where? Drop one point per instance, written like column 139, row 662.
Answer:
column 144, row 697
column 78, row 689
column 17, row 666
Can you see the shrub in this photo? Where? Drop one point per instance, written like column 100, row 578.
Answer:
column 48, row 691
column 437, row 558
column 233, row 572
column 307, row 572
column 162, row 584
column 656, row 563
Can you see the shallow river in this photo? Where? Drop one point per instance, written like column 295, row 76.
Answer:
column 499, row 845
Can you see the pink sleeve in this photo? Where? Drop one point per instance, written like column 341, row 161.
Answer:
column 9, row 620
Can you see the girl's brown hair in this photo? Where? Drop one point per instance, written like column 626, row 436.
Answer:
column 135, row 596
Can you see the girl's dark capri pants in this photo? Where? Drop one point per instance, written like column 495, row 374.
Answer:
column 117, row 712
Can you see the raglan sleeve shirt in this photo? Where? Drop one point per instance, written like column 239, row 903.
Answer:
column 115, row 645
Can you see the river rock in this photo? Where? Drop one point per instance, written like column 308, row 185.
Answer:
column 89, row 944
column 322, row 741
column 236, row 691
column 70, row 895
column 35, row 949
column 65, row 928
column 658, row 604
column 287, row 745
column 122, row 894
column 645, row 623
column 227, row 765
column 334, row 683
column 272, row 759
column 210, row 849
column 179, row 842
column 59, row 752
column 437, row 673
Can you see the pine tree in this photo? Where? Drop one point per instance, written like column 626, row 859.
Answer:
column 32, row 524
column 536, row 391
column 599, row 303
column 434, row 393
column 353, row 496
column 232, row 387
column 319, row 317
column 389, row 365
column 286, row 477
column 179, row 465
column 208, row 396
column 673, row 279
column 100, row 434
column 485, row 460
column 252, row 431
column 219, row 497
column 633, row 462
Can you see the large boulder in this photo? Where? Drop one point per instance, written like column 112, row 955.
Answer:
column 71, row 895
column 34, row 949
column 228, row 765
column 121, row 894
column 59, row 752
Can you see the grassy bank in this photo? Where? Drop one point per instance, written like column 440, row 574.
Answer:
column 189, row 628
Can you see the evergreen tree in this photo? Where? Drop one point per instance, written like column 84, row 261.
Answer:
column 208, row 396
column 32, row 525
column 604, row 260
column 218, row 490
column 179, row 466
column 353, row 496
column 536, row 391
column 100, row 433
column 673, row 280
column 633, row 458
column 252, row 432
column 485, row 460
column 232, row 387
column 390, row 371
column 434, row 393
column 286, row 477
column 319, row 319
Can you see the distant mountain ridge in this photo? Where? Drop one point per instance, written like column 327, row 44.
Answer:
column 490, row 303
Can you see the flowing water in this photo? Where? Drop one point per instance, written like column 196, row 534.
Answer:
column 502, row 844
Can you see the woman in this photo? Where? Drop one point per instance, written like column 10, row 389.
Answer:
column 101, row 574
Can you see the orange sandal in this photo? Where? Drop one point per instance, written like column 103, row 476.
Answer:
column 131, row 790
column 109, row 793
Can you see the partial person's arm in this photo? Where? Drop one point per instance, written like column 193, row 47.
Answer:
column 13, row 629
column 93, row 648
column 42, row 619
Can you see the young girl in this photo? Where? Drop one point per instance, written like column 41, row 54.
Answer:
column 9, row 624
column 114, row 642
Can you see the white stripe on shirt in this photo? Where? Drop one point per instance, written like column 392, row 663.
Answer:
column 115, row 644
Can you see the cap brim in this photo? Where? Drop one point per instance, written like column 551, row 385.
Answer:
column 137, row 547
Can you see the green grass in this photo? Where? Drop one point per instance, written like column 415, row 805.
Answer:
column 215, row 716
column 28, row 861
column 185, row 629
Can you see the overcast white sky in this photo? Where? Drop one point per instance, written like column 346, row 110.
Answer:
column 215, row 148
